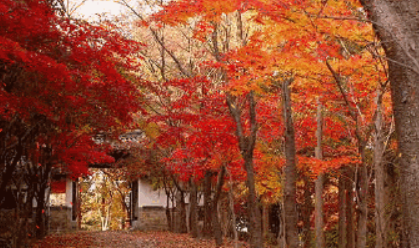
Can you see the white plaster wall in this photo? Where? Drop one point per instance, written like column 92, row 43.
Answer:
column 68, row 193
column 147, row 197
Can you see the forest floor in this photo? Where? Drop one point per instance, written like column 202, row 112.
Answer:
column 125, row 239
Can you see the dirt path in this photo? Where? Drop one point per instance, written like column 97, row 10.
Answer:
column 122, row 239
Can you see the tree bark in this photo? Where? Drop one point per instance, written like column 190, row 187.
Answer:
column 350, row 232
column 181, row 212
column 193, row 217
column 291, row 217
column 247, row 145
column 319, row 219
column 265, row 220
column 216, row 226
column 306, row 211
column 233, row 213
column 207, row 229
column 396, row 23
column 319, row 185
column 380, row 191
column 342, row 209
column 362, row 192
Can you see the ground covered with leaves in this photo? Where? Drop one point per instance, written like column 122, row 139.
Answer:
column 125, row 239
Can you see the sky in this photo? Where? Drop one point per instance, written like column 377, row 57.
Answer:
column 91, row 8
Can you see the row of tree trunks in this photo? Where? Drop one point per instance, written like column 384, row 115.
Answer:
column 347, row 230
column 346, row 209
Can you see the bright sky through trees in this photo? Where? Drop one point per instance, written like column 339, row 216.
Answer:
column 91, row 8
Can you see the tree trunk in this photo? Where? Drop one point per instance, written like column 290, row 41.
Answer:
column 380, row 191
column 207, row 230
column 233, row 213
column 361, row 233
column 247, row 145
column 40, row 217
column 396, row 23
column 350, row 233
column 181, row 212
column 79, row 205
column 282, row 232
column 342, row 209
column 253, row 209
column 169, row 199
column 127, row 218
column 42, row 180
column 306, row 211
column 173, row 215
column 216, row 226
column 291, row 217
column 319, row 219
column 319, row 184
column 265, row 220
column 169, row 218
column 193, row 217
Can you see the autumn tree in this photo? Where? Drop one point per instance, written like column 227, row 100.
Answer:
column 60, row 81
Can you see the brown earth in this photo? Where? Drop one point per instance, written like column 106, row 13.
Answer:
column 124, row 239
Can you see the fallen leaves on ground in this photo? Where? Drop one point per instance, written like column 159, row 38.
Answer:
column 110, row 239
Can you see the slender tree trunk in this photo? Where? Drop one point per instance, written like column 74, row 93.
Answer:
column 169, row 217
column 6, row 174
column 291, row 217
column 169, row 197
column 350, row 233
column 193, row 210
column 173, row 215
column 40, row 217
column 319, row 184
column 265, row 220
column 361, row 237
column 306, row 211
column 108, row 217
column 233, row 213
column 44, row 177
column 207, row 230
column 380, row 191
column 342, row 209
column 319, row 219
column 127, row 219
column 181, row 212
column 79, row 205
column 282, row 232
column 247, row 145
column 216, row 226
column 396, row 23
column 254, row 213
